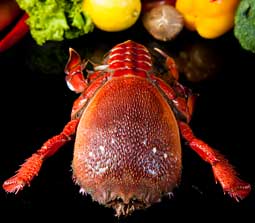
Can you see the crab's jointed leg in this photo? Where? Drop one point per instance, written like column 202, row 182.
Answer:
column 32, row 165
column 182, row 97
column 185, row 105
column 74, row 75
column 77, row 83
column 223, row 171
column 170, row 64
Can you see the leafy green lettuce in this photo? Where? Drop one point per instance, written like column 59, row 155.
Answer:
column 56, row 19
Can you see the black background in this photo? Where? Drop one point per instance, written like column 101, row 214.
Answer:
column 36, row 104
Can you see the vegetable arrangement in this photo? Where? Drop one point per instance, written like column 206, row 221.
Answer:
column 163, row 19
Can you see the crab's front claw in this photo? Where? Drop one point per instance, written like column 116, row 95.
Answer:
column 14, row 184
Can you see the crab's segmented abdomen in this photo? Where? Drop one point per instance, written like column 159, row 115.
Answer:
column 129, row 58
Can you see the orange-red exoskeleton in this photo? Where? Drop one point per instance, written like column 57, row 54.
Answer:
column 128, row 124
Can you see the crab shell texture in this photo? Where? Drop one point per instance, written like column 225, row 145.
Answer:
column 127, row 151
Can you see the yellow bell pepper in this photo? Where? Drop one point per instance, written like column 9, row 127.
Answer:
column 210, row 18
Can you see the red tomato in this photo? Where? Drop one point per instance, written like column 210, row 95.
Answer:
column 9, row 10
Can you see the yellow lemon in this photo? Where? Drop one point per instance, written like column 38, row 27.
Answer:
column 112, row 15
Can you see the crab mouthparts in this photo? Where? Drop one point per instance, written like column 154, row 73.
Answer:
column 123, row 209
column 125, row 202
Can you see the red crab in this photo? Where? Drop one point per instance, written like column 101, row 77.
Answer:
column 128, row 124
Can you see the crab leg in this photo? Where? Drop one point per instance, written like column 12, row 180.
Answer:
column 74, row 75
column 170, row 64
column 224, row 172
column 185, row 106
column 32, row 165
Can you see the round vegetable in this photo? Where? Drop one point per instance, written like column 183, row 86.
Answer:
column 163, row 22
column 210, row 18
column 112, row 15
column 9, row 11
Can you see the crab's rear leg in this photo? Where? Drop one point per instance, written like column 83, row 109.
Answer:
column 77, row 83
column 32, row 165
column 224, row 172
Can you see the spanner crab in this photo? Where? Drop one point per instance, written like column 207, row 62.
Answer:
column 128, row 125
